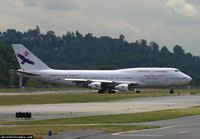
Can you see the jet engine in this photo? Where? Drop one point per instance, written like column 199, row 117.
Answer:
column 95, row 85
column 122, row 87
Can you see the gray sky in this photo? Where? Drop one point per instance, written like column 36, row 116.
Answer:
column 167, row 22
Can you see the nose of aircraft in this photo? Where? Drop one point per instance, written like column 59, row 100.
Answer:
column 188, row 78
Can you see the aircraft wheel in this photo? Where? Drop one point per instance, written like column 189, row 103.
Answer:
column 111, row 92
column 172, row 91
column 137, row 91
column 100, row 91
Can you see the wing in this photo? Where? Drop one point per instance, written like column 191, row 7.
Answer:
column 108, row 82
column 87, row 80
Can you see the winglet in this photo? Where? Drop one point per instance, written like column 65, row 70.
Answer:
column 27, row 60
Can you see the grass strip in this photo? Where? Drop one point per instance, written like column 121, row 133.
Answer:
column 43, row 130
column 71, row 98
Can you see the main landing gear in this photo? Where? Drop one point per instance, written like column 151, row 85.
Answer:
column 137, row 91
column 111, row 91
column 101, row 91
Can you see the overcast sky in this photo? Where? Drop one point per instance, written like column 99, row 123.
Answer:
column 167, row 22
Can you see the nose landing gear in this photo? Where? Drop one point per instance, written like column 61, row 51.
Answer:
column 172, row 91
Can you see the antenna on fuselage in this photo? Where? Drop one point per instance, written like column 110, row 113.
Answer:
column 20, row 82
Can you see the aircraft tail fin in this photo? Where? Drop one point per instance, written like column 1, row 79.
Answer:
column 27, row 60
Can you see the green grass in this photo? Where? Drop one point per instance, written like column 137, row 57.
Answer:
column 43, row 130
column 70, row 98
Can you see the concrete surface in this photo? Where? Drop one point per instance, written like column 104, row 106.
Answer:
column 78, row 91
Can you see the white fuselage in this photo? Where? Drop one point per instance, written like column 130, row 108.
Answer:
column 101, row 80
column 142, row 77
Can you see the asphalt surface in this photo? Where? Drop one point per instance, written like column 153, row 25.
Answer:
column 78, row 91
column 52, row 111
column 179, row 128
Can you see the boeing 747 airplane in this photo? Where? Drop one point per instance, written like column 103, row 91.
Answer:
column 101, row 80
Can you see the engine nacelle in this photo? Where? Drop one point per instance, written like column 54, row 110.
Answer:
column 95, row 85
column 122, row 87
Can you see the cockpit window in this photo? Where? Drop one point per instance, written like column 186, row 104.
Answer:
column 176, row 70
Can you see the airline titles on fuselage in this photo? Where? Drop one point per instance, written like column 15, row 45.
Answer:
column 147, row 76
column 153, row 76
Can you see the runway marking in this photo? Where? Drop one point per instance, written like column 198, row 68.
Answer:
column 182, row 132
column 142, row 135
column 135, row 131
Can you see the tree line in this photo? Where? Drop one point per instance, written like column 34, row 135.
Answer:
column 74, row 50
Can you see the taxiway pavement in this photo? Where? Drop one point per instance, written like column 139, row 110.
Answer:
column 78, row 91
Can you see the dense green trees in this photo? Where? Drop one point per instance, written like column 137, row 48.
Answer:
column 7, row 62
column 77, row 51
